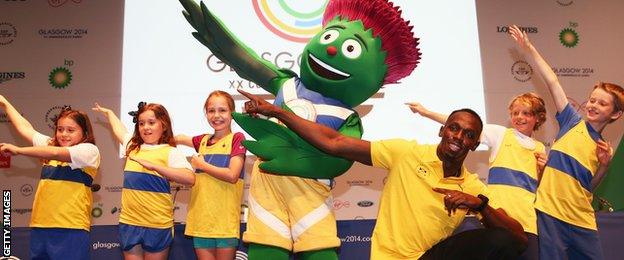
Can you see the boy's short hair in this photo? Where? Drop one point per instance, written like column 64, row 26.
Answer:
column 616, row 92
column 537, row 105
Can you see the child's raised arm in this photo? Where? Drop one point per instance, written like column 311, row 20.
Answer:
column 184, row 140
column 22, row 125
column 545, row 71
column 119, row 130
column 418, row 108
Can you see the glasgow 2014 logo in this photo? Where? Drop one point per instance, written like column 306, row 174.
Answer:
column 292, row 20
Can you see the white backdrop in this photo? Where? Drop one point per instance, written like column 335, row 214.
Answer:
column 86, row 38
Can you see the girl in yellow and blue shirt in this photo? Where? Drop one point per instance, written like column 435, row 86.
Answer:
column 152, row 162
column 60, row 218
column 213, row 218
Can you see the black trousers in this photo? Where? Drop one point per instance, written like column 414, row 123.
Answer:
column 483, row 243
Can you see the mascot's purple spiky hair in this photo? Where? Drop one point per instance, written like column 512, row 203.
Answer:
column 402, row 53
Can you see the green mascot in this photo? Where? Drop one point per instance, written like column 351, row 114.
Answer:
column 363, row 45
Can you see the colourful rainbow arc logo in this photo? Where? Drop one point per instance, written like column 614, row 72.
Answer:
column 293, row 25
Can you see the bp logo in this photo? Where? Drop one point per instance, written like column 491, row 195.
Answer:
column 60, row 77
column 96, row 212
column 292, row 20
column 568, row 37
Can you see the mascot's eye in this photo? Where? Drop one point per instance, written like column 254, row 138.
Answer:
column 351, row 49
column 329, row 36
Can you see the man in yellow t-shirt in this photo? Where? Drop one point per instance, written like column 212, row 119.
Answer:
column 428, row 191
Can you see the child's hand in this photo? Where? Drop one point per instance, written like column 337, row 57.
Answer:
column 257, row 105
column 100, row 109
column 8, row 149
column 417, row 108
column 604, row 152
column 3, row 101
column 197, row 161
column 146, row 164
column 521, row 38
column 541, row 158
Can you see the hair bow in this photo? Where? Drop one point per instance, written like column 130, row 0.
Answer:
column 135, row 114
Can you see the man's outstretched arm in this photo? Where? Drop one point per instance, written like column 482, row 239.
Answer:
column 324, row 138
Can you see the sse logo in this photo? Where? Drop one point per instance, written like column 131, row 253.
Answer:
column 295, row 21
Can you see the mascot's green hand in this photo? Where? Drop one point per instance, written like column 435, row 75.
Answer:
column 285, row 153
column 211, row 32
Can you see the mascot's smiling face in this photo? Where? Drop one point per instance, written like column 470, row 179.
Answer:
column 344, row 61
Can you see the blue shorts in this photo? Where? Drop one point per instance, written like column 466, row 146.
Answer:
column 561, row 240
column 152, row 240
column 200, row 242
column 59, row 243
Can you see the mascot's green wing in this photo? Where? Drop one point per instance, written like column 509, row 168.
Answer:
column 224, row 45
column 285, row 153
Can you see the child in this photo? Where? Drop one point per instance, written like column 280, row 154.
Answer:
column 213, row 218
column 146, row 221
column 516, row 162
column 60, row 218
column 577, row 163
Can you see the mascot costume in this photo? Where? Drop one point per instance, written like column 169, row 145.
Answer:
column 363, row 45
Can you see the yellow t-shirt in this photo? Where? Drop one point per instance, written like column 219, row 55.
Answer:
column 513, row 180
column 412, row 217
column 63, row 198
column 145, row 198
column 565, row 189
column 214, row 209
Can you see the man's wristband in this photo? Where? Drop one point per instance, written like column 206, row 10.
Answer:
column 484, row 203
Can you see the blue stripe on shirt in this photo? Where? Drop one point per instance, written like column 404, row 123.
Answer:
column 145, row 182
column 569, row 165
column 65, row 173
column 506, row 176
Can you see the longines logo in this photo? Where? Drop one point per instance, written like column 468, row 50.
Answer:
column 565, row 2
column 8, row 33
column 521, row 71
column 63, row 33
column 505, row 29
column 6, row 76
